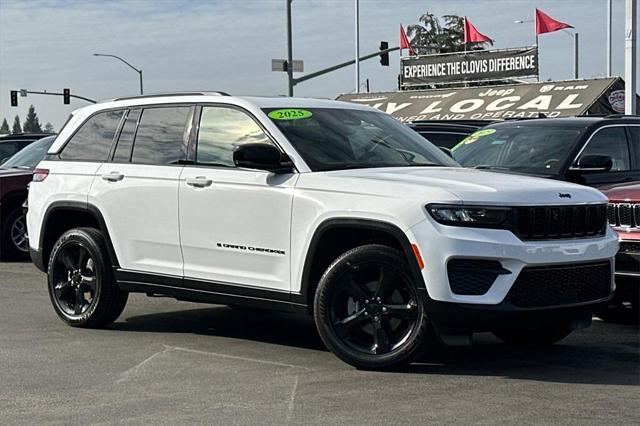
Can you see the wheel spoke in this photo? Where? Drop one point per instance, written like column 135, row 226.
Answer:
column 407, row 311
column 79, row 301
column 81, row 257
column 348, row 325
column 385, row 281
column 62, row 287
column 352, row 288
column 380, row 338
column 89, row 281
column 67, row 261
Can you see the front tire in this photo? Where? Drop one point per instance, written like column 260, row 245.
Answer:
column 367, row 308
column 81, row 285
column 543, row 336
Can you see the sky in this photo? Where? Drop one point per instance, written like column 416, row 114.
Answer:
column 228, row 45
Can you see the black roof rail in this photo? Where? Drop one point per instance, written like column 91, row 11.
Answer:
column 622, row 116
column 161, row 95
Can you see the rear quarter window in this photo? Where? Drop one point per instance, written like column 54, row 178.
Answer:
column 92, row 142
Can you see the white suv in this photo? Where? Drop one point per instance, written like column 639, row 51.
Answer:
column 311, row 206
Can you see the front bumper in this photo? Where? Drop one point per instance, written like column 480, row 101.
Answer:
column 439, row 244
column 628, row 259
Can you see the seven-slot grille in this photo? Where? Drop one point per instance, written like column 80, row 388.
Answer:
column 624, row 214
column 556, row 222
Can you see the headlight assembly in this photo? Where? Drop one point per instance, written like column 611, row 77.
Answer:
column 471, row 216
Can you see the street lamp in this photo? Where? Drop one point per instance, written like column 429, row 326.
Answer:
column 127, row 63
column 574, row 35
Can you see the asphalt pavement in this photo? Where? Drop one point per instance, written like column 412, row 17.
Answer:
column 170, row 362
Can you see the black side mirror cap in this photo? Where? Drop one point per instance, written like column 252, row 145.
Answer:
column 262, row 156
column 592, row 164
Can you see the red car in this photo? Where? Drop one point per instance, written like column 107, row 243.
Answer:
column 624, row 216
column 15, row 175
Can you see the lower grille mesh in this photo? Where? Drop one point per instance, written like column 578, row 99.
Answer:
column 561, row 285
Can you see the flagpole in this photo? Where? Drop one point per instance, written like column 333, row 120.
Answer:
column 357, row 13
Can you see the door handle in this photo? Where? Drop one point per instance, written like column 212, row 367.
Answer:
column 199, row 182
column 113, row 176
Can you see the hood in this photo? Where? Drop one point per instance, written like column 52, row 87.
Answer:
column 624, row 193
column 468, row 186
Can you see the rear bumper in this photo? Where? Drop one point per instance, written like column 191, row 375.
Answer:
column 467, row 317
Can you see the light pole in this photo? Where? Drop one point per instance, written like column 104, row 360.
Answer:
column 574, row 35
column 139, row 71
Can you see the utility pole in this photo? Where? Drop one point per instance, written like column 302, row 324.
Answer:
column 631, row 57
column 609, row 40
column 357, row 15
column 289, row 49
column 575, row 55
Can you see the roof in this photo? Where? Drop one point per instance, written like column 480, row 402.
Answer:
column 583, row 121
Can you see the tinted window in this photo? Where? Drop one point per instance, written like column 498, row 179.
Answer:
column 29, row 157
column 345, row 138
column 7, row 149
column 447, row 140
column 610, row 141
column 125, row 141
column 162, row 135
column 521, row 148
column 93, row 141
column 221, row 131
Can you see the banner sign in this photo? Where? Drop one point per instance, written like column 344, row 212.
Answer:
column 528, row 100
column 469, row 66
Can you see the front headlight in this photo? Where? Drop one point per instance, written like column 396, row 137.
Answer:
column 472, row 216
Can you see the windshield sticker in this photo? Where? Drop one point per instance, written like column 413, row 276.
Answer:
column 474, row 137
column 484, row 132
column 289, row 114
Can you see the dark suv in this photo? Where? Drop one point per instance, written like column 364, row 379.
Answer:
column 594, row 151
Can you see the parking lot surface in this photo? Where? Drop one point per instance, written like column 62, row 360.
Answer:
column 169, row 362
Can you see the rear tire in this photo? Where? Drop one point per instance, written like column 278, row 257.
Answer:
column 15, row 245
column 81, row 285
column 543, row 336
column 367, row 309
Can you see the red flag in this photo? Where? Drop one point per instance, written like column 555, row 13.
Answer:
column 471, row 35
column 546, row 24
column 404, row 42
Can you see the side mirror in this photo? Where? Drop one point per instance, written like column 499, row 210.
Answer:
column 593, row 164
column 446, row 151
column 262, row 156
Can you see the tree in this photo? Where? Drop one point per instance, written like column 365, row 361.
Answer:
column 430, row 36
column 48, row 128
column 32, row 124
column 4, row 129
column 17, row 128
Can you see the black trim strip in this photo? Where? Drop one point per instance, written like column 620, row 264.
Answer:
column 195, row 290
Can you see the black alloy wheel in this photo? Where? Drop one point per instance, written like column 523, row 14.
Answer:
column 75, row 283
column 81, row 285
column 14, row 242
column 367, row 308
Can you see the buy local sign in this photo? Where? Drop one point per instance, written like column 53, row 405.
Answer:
column 553, row 99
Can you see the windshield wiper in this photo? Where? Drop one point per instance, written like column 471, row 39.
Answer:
column 489, row 167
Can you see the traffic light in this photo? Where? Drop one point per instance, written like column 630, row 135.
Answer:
column 66, row 94
column 14, row 98
column 384, row 57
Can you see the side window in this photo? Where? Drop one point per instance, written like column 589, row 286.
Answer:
column 611, row 141
column 93, row 141
column 221, row 130
column 125, row 141
column 635, row 144
column 162, row 135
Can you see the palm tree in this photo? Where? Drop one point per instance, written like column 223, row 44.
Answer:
column 431, row 37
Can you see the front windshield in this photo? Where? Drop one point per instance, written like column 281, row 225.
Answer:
column 30, row 156
column 336, row 139
column 527, row 149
